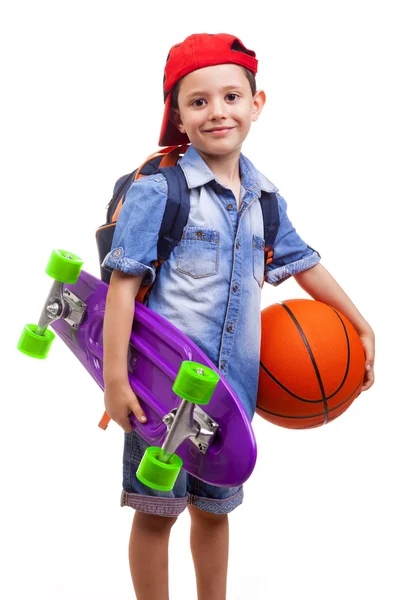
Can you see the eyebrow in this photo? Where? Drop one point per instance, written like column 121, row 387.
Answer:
column 234, row 86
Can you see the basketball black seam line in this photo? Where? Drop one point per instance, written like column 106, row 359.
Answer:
column 264, row 368
column 348, row 353
column 268, row 412
column 307, row 345
column 314, row 425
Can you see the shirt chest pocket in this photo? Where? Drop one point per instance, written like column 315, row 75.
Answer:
column 198, row 252
column 258, row 259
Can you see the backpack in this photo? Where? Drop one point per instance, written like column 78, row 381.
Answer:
column 176, row 211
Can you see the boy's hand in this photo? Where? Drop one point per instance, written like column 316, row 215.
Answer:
column 120, row 401
column 368, row 342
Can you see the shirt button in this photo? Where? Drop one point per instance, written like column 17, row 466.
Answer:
column 230, row 206
column 199, row 234
column 235, row 287
column 229, row 328
column 237, row 245
column 117, row 253
column 222, row 366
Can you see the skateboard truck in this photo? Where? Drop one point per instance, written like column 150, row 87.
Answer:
column 64, row 267
column 61, row 304
column 188, row 421
column 195, row 384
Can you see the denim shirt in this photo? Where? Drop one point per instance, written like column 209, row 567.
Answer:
column 210, row 287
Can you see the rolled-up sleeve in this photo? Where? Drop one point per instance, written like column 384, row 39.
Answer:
column 134, row 245
column 291, row 254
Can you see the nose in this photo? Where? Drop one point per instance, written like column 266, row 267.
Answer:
column 217, row 109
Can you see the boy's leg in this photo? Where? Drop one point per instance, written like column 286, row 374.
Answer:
column 209, row 542
column 209, row 536
column 155, row 513
column 148, row 555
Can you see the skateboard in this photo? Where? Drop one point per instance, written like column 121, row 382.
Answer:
column 194, row 418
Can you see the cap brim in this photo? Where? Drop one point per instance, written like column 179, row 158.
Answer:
column 170, row 134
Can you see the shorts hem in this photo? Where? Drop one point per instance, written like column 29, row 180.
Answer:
column 153, row 505
column 217, row 507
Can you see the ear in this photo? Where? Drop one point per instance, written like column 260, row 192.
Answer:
column 259, row 100
column 175, row 117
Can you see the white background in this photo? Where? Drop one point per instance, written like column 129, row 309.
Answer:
column 81, row 105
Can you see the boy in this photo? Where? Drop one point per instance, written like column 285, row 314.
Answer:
column 210, row 288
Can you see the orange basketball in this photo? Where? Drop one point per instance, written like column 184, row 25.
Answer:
column 311, row 365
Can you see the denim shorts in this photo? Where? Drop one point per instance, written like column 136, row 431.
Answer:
column 187, row 489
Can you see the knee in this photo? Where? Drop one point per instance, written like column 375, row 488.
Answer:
column 198, row 515
column 154, row 523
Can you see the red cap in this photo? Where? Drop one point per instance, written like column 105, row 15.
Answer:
column 196, row 52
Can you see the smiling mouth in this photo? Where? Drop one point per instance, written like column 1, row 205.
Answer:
column 218, row 129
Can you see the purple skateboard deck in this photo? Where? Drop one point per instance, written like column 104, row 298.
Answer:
column 157, row 349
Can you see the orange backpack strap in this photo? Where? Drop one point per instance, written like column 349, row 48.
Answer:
column 105, row 419
column 268, row 254
column 170, row 157
column 144, row 291
column 170, row 151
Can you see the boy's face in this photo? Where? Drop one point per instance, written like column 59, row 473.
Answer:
column 216, row 108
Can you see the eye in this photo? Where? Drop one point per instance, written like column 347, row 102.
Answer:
column 198, row 102
column 232, row 97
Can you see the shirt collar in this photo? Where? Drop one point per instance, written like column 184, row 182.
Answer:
column 198, row 173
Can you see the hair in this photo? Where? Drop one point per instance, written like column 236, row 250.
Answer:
column 175, row 90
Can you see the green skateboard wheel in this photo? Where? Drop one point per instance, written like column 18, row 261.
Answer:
column 156, row 474
column 33, row 344
column 64, row 266
column 195, row 382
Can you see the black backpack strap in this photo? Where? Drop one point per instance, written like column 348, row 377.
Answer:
column 270, row 212
column 176, row 211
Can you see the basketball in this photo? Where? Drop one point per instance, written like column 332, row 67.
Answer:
column 312, row 364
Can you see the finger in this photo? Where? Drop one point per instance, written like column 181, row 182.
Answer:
column 369, row 354
column 138, row 412
column 368, row 380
